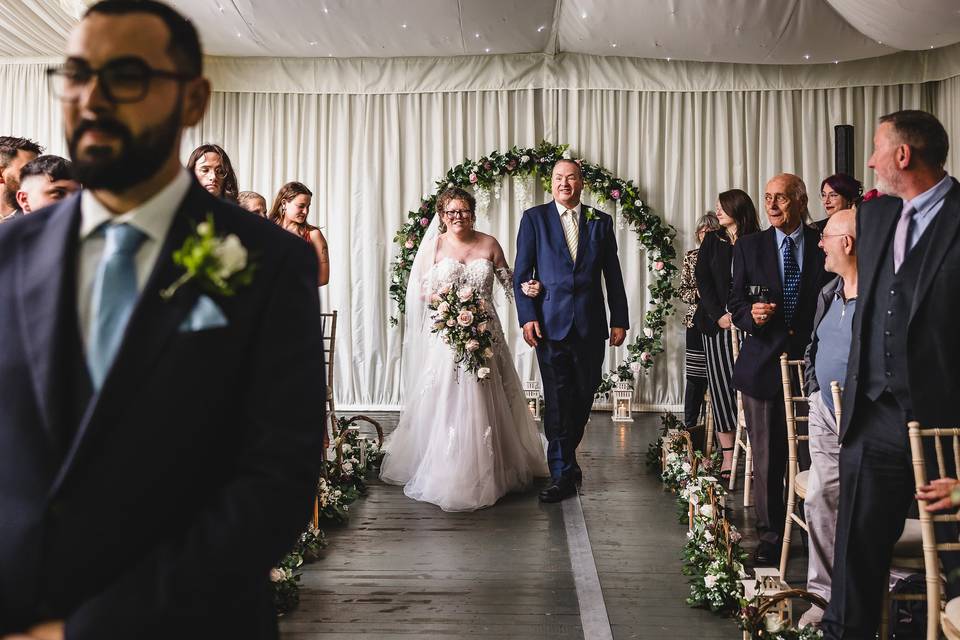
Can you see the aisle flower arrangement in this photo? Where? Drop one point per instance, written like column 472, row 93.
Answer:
column 344, row 484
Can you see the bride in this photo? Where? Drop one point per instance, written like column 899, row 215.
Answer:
column 461, row 442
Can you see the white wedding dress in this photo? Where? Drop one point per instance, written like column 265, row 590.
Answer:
column 462, row 443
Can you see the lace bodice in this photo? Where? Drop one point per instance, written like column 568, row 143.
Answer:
column 478, row 273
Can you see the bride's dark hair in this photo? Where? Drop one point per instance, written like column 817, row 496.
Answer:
column 453, row 193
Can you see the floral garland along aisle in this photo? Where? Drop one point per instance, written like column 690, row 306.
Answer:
column 712, row 556
column 343, row 482
column 485, row 175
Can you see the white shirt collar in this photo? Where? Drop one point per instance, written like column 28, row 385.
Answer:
column 153, row 217
column 576, row 210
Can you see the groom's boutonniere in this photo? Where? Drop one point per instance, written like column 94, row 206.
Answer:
column 218, row 264
column 590, row 214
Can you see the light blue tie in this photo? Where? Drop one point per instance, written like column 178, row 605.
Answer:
column 114, row 295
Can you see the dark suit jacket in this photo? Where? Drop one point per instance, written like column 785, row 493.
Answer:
column 933, row 341
column 756, row 262
column 157, row 509
column 572, row 298
column 713, row 281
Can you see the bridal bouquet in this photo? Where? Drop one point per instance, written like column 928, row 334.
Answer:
column 461, row 318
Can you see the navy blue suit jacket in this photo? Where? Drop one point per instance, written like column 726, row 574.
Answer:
column 756, row 262
column 155, row 508
column 572, row 298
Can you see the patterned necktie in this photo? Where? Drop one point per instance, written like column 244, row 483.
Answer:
column 902, row 237
column 791, row 281
column 114, row 295
column 570, row 232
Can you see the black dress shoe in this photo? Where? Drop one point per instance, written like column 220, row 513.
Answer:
column 766, row 554
column 558, row 491
column 577, row 476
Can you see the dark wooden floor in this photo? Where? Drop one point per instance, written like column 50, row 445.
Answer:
column 401, row 569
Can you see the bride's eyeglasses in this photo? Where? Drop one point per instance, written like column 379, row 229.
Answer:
column 458, row 213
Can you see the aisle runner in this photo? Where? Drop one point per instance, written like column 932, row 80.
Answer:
column 593, row 610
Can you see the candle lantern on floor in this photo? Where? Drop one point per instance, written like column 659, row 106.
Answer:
column 623, row 402
column 531, row 389
column 766, row 584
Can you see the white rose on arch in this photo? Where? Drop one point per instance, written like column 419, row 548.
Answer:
column 648, row 332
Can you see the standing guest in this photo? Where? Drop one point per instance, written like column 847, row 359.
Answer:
column 14, row 154
column 211, row 165
column 43, row 181
column 838, row 192
column 253, row 202
column 290, row 209
column 145, row 434
column 777, row 276
column 903, row 361
column 695, row 362
column 826, row 361
column 737, row 216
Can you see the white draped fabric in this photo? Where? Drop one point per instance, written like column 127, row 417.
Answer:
column 370, row 156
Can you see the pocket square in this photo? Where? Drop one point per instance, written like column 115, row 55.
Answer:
column 204, row 315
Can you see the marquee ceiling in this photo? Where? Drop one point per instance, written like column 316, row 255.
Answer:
column 743, row 31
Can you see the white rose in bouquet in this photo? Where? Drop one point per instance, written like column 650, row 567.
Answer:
column 483, row 372
column 443, row 307
column 464, row 293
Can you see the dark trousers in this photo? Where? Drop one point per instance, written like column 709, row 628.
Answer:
column 571, row 370
column 876, row 493
column 693, row 400
column 767, row 427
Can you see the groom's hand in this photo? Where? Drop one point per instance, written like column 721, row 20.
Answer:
column 531, row 331
column 617, row 336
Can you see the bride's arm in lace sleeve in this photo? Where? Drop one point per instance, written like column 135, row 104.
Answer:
column 502, row 269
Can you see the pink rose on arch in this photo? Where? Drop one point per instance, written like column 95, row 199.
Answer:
column 642, row 227
column 473, row 178
column 465, row 318
column 424, row 222
column 511, row 165
column 464, row 293
column 408, row 244
column 487, row 166
column 646, row 356
column 472, row 345
column 615, row 194
column 658, row 265
column 423, row 206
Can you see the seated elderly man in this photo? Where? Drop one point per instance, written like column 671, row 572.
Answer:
column 826, row 361
column 45, row 180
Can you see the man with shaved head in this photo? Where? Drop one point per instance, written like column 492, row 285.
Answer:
column 776, row 276
column 826, row 362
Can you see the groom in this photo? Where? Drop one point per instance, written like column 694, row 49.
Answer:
column 566, row 247
column 157, row 456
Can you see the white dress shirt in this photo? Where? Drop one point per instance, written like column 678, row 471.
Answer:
column 153, row 218
column 576, row 210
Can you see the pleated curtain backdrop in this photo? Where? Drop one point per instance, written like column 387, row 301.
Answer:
column 369, row 158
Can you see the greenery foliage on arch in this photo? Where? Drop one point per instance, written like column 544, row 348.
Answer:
column 526, row 164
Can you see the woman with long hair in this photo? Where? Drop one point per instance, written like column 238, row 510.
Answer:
column 290, row 209
column 213, row 170
column 738, row 217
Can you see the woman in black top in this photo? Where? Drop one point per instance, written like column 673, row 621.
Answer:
column 738, row 217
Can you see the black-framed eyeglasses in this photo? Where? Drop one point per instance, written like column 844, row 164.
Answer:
column 458, row 213
column 122, row 80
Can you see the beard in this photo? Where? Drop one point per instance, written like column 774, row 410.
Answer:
column 10, row 188
column 139, row 158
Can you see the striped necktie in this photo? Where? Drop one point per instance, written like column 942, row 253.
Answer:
column 571, row 232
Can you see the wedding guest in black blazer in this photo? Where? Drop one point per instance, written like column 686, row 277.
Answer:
column 904, row 360
column 738, row 218
column 777, row 275
column 152, row 466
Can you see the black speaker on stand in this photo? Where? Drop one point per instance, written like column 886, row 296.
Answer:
column 843, row 159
